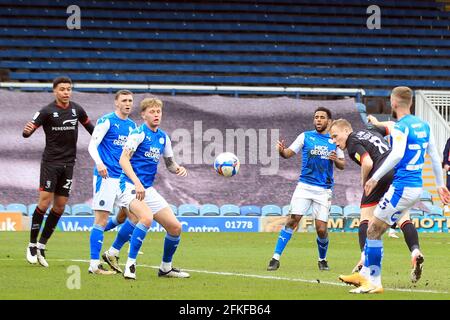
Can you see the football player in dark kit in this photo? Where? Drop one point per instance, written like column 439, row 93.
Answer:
column 369, row 149
column 60, row 122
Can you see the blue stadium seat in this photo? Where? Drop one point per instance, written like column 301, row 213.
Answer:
column 188, row 210
column 426, row 196
column 230, row 210
column 209, row 210
column 32, row 207
column 271, row 210
column 352, row 211
column 174, row 209
column 250, row 210
column 2, row 208
column 17, row 207
column 435, row 211
column 336, row 211
column 81, row 209
column 415, row 213
column 285, row 209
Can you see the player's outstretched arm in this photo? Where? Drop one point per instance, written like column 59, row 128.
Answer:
column 284, row 152
column 174, row 168
column 128, row 169
column 28, row 130
column 374, row 121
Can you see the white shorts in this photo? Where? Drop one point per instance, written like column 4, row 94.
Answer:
column 152, row 198
column 395, row 203
column 316, row 198
column 106, row 193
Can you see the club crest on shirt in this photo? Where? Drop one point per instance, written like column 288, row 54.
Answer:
column 74, row 112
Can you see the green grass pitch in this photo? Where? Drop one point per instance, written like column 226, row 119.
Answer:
column 229, row 266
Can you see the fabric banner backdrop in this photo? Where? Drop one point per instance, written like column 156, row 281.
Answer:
column 200, row 127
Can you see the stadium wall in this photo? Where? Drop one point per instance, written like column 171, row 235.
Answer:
column 17, row 222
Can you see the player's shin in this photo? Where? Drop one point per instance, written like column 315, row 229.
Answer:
column 137, row 238
column 49, row 227
column 374, row 256
column 36, row 223
column 322, row 246
column 362, row 233
column 170, row 246
column 283, row 239
column 123, row 236
column 96, row 241
column 411, row 235
column 111, row 224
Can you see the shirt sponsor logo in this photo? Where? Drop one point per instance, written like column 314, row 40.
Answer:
column 71, row 121
column 120, row 141
column 321, row 151
column 153, row 153
column 63, row 128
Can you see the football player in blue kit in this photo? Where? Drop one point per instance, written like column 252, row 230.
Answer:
column 139, row 160
column 411, row 139
column 105, row 148
column 314, row 188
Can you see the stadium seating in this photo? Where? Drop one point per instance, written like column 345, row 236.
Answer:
column 2, row 208
column 17, row 207
column 174, row 209
column 188, row 210
column 271, row 210
column 352, row 211
column 32, row 207
column 285, row 209
column 230, row 210
column 250, row 210
column 282, row 43
column 209, row 210
column 336, row 211
column 415, row 213
column 435, row 211
column 81, row 209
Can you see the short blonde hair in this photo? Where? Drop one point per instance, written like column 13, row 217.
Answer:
column 403, row 96
column 150, row 102
column 341, row 123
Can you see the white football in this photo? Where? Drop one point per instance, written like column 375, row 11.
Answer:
column 227, row 164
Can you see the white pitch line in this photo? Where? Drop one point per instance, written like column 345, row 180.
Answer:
column 257, row 276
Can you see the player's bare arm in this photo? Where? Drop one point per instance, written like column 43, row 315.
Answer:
column 128, row 169
column 284, row 152
column 387, row 124
column 174, row 168
column 28, row 130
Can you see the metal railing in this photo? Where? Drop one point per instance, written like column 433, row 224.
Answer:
column 201, row 89
column 434, row 107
